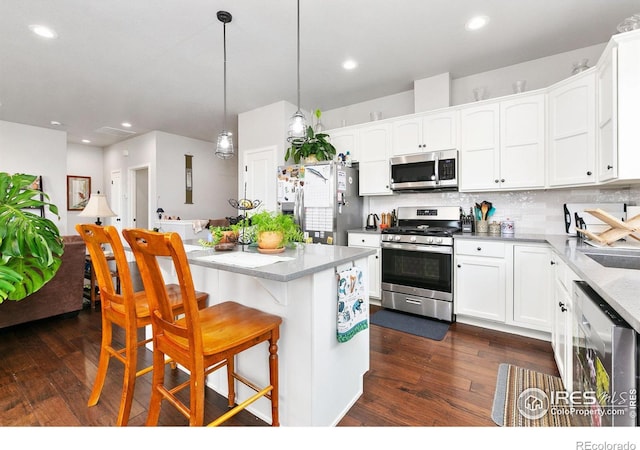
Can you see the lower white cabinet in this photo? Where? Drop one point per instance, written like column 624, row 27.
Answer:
column 480, row 279
column 370, row 240
column 504, row 283
column 562, row 330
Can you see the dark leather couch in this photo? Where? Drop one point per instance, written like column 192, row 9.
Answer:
column 61, row 295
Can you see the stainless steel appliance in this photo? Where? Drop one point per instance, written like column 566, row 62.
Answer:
column 323, row 198
column 417, row 261
column 604, row 362
column 424, row 171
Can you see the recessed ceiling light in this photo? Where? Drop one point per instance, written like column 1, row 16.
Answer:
column 349, row 64
column 43, row 31
column 55, row 123
column 475, row 23
column 126, row 124
column 86, row 141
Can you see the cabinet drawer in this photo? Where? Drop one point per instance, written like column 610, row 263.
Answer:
column 480, row 248
column 364, row 240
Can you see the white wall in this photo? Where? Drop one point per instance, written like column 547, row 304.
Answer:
column 214, row 179
column 538, row 73
column 38, row 151
column 85, row 161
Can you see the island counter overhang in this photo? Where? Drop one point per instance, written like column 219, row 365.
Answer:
column 319, row 377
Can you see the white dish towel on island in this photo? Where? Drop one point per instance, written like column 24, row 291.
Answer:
column 353, row 315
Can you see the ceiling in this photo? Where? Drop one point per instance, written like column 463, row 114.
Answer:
column 158, row 64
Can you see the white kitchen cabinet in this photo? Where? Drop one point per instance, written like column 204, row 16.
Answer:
column 370, row 240
column 479, row 147
column 480, row 279
column 532, row 287
column 425, row 132
column 572, row 125
column 562, row 330
column 374, row 145
column 503, row 145
column 346, row 140
column 522, row 143
column 607, row 120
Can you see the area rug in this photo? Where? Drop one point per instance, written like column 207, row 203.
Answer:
column 410, row 323
column 523, row 398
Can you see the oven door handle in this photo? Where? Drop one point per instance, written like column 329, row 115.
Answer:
column 443, row 249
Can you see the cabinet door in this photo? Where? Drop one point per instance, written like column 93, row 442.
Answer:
column 375, row 286
column 407, row 136
column 532, row 287
column 480, row 287
column 562, row 334
column 375, row 143
column 373, row 178
column 440, row 131
column 572, row 131
column 606, row 78
column 522, row 142
column 346, row 140
column 479, row 147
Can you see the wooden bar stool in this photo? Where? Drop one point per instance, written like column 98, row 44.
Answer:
column 203, row 340
column 123, row 307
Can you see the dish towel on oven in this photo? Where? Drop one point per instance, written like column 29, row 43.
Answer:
column 353, row 316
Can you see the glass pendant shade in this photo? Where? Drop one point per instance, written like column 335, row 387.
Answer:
column 224, row 148
column 297, row 128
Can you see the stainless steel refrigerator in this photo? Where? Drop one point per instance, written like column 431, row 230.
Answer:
column 323, row 198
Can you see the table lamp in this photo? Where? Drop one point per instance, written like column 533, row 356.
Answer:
column 97, row 207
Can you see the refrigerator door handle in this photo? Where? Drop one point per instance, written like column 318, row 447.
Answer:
column 299, row 209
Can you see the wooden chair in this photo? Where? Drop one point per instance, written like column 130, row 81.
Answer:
column 124, row 308
column 203, row 340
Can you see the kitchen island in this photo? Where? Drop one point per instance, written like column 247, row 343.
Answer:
column 320, row 378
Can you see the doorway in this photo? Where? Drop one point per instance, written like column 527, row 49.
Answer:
column 139, row 195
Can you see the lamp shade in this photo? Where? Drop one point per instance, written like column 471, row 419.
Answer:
column 97, row 207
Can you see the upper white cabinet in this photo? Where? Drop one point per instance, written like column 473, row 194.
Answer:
column 346, row 140
column 374, row 145
column 426, row 132
column 572, row 144
column 607, row 91
column 480, row 147
column 503, row 144
column 522, row 142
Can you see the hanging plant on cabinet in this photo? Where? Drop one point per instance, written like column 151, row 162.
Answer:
column 316, row 145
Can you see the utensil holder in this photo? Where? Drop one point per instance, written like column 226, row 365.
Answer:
column 482, row 226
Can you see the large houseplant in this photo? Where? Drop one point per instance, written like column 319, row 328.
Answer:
column 30, row 245
column 280, row 227
column 316, row 145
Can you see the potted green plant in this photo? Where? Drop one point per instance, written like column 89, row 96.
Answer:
column 274, row 231
column 223, row 237
column 316, row 146
column 30, row 245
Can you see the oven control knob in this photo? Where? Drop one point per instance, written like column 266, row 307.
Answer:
column 439, row 240
column 413, row 239
column 397, row 238
column 430, row 240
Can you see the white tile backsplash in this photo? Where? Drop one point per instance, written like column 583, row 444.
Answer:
column 536, row 212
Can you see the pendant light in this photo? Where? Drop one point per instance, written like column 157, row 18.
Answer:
column 224, row 147
column 298, row 123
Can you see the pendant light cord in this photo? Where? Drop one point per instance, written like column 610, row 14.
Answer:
column 298, row 55
column 224, row 39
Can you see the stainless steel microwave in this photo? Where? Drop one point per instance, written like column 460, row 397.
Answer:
column 424, row 171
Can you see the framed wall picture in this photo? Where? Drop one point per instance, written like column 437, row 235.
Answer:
column 78, row 192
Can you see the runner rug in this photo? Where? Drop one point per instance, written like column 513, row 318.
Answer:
column 523, row 399
column 410, row 323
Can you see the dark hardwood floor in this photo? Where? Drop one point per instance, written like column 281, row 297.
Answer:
column 48, row 367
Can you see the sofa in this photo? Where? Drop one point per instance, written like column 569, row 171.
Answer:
column 60, row 296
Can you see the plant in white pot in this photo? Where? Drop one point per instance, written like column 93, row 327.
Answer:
column 30, row 245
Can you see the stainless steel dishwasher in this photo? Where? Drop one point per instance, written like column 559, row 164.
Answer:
column 604, row 362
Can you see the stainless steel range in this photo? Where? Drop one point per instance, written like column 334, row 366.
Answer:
column 417, row 261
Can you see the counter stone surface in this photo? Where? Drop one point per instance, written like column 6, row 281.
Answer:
column 308, row 259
